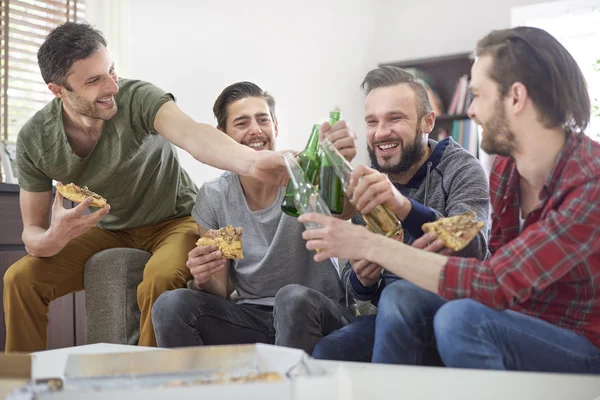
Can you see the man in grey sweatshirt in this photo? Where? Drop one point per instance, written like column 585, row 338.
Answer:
column 421, row 180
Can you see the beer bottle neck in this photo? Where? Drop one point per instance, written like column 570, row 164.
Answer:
column 312, row 147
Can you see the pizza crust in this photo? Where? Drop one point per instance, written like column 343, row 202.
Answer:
column 457, row 231
column 79, row 194
column 227, row 239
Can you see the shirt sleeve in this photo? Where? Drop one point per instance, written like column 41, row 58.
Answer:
column 203, row 213
column 31, row 178
column 542, row 254
column 146, row 100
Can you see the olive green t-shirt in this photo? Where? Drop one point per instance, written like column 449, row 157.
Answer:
column 132, row 166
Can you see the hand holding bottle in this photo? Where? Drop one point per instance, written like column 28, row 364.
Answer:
column 341, row 136
column 370, row 188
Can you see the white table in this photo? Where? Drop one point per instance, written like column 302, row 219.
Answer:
column 376, row 381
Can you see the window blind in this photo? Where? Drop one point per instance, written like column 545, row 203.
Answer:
column 25, row 24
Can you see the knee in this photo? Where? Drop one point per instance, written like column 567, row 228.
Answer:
column 293, row 298
column 172, row 306
column 325, row 349
column 403, row 300
column 456, row 323
column 161, row 282
column 20, row 274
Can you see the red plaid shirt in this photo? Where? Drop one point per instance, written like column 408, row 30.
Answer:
column 551, row 269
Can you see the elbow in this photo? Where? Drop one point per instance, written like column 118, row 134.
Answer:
column 499, row 301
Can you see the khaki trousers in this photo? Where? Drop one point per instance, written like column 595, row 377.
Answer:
column 32, row 282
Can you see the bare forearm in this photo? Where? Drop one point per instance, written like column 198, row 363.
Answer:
column 417, row 266
column 218, row 150
column 40, row 242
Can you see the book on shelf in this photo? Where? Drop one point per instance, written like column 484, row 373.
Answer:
column 461, row 98
column 465, row 132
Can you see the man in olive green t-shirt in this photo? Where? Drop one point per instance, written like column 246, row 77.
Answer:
column 117, row 137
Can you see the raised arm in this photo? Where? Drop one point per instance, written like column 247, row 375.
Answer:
column 211, row 146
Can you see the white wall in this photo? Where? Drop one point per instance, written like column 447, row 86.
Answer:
column 308, row 57
column 408, row 30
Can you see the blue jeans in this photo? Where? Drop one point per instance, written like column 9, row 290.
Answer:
column 401, row 332
column 472, row 335
column 354, row 342
column 299, row 318
column 404, row 326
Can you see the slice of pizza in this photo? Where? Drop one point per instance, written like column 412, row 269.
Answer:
column 457, row 231
column 78, row 194
column 227, row 239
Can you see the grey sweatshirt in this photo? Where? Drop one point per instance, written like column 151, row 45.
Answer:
column 450, row 182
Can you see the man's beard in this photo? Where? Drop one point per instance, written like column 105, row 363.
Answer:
column 410, row 155
column 91, row 109
column 497, row 137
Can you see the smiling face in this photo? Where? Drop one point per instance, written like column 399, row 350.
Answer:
column 91, row 86
column 395, row 137
column 488, row 109
column 250, row 123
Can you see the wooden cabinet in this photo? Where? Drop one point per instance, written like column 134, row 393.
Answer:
column 67, row 314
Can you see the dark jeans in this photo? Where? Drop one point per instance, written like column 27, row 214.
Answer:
column 400, row 333
column 472, row 335
column 299, row 318
column 354, row 342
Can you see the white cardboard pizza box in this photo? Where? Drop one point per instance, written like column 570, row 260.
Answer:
column 175, row 372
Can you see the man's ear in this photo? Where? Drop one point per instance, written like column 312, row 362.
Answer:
column 57, row 90
column 276, row 132
column 220, row 128
column 428, row 122
column 518, row 94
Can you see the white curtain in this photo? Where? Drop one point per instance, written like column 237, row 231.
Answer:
column 112, row 17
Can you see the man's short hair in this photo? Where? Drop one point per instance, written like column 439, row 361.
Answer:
column 66, row 44
column 235, row 92
column 551, row 75
column 390, row 76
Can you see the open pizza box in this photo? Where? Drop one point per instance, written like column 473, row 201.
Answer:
column 210, row 372
column 15, row 371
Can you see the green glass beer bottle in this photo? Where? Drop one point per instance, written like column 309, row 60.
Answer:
column 310, row 162
column 381, row 220
column 330, row 186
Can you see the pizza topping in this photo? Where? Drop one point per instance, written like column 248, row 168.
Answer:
column 457, row 231
column 88, row 193
column 227, row 239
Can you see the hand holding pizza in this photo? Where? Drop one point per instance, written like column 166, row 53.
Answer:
column 67, row 224
column 430, row 242
column 204, row 262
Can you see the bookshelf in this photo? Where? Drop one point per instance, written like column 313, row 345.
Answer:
column 443, row 74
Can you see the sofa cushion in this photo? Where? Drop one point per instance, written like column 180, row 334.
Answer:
column 111, row 279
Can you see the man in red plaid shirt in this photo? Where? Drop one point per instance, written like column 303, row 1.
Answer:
column 533, row 305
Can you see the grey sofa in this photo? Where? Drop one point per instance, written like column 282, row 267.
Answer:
column 111, row 279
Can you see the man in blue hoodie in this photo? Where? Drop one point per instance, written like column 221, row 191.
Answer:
column 420, row 180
